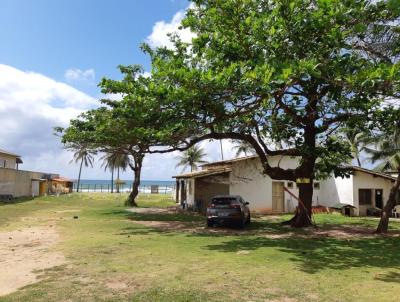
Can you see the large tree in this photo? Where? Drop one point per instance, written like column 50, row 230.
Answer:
column 295, row 71
column 128, row 122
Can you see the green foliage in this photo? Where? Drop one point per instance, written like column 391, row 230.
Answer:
column 384, row 145
column 191, row 158
column 293, row 71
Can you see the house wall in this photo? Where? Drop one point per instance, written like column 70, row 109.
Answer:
column 18, row 182
column 10, row 161
column 364, row 180
column 333, row 191
column 248, row 181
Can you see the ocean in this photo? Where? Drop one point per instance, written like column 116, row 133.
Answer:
column 104, row 185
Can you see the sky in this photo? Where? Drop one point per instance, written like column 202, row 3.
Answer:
column 53, row 54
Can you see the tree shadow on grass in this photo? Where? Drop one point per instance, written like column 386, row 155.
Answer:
column 315, row 254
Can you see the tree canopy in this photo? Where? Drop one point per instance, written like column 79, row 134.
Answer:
column 281, row 70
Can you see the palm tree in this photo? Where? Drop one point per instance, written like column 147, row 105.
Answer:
column 356, row 138
column 83, row 155
column 122, row 162
column 114, row 160
column 386, row 152
column 191, row 158
column 243, row 147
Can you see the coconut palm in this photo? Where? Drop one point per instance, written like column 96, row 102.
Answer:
column 83, row 155
column 115, row 160
column 243, row 147
column 386, row 152
column 356, row 138
column 191, row 158
column 121, row 163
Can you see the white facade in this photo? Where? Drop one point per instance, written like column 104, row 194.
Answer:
column 245, row 178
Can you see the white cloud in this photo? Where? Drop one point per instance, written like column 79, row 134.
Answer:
column 76, row 74
column 32, row 104
column 159, row 36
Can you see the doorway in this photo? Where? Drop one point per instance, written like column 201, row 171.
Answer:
column 278, row 205
column 379, row 198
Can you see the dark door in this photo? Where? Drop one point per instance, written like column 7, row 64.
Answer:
column 379, row 198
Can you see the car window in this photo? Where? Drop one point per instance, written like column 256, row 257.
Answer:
column 223, row 201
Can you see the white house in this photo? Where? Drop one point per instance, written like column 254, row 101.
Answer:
column 243, row 176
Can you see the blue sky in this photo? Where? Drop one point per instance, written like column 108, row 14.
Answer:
column 52, row 55
column 51, row 36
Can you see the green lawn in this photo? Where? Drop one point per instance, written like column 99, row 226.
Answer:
column 110, row 257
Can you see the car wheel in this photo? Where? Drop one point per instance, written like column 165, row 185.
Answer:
column 248, row 219
column 210, row 224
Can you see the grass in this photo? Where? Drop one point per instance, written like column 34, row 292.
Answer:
column 110, row 257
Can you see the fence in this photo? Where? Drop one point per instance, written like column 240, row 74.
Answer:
column 125, row 188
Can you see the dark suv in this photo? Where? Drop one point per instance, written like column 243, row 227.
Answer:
column 228, row 209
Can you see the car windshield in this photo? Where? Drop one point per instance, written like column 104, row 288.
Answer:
column 223, row 201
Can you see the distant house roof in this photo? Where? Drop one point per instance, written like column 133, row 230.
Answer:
column 374, row 173
column 61, row 179
column 9, row 153
column 203, row 173
column 228, row 161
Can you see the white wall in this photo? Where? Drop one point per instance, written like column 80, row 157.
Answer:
column 364, row 180
column 248, row 181
column 334, row 190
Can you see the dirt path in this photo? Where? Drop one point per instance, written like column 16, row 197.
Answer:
column 24, row 252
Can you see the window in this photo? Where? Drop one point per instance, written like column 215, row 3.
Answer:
column 3, row 163
column 290, row 185
column 316, row 185
column 364, row 197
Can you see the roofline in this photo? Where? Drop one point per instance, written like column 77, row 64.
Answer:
column 378, row 174
column 202, row 173
column 9, row 153
column 228, row 161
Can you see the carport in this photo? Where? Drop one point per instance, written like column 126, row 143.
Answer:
column 197, row 188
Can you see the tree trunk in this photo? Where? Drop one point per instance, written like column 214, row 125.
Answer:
column 118, row 184
column 303, row 214
column 79, row 176
column 112, row 180
column 137, row 169
column 387, row 210
column 358, row 160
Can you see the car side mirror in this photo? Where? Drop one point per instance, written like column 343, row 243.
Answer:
column 246, row 203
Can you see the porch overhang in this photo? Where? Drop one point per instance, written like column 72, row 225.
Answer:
column 202, row 173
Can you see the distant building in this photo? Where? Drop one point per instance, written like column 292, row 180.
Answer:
column 18, row 183
column 364, row 189
column 9, row 160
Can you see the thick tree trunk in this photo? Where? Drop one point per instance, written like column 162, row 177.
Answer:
column 137, row 169
column 79, row 176
column 303, row 215
column 387, row 210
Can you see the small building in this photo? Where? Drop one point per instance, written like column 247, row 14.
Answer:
column 60, row 185
column 9, row 160
column 363, row 189
column 19, row 183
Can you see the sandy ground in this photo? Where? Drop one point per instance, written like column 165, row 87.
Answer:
column 24, row 253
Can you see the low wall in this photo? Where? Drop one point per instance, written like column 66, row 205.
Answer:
column 17, row 183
